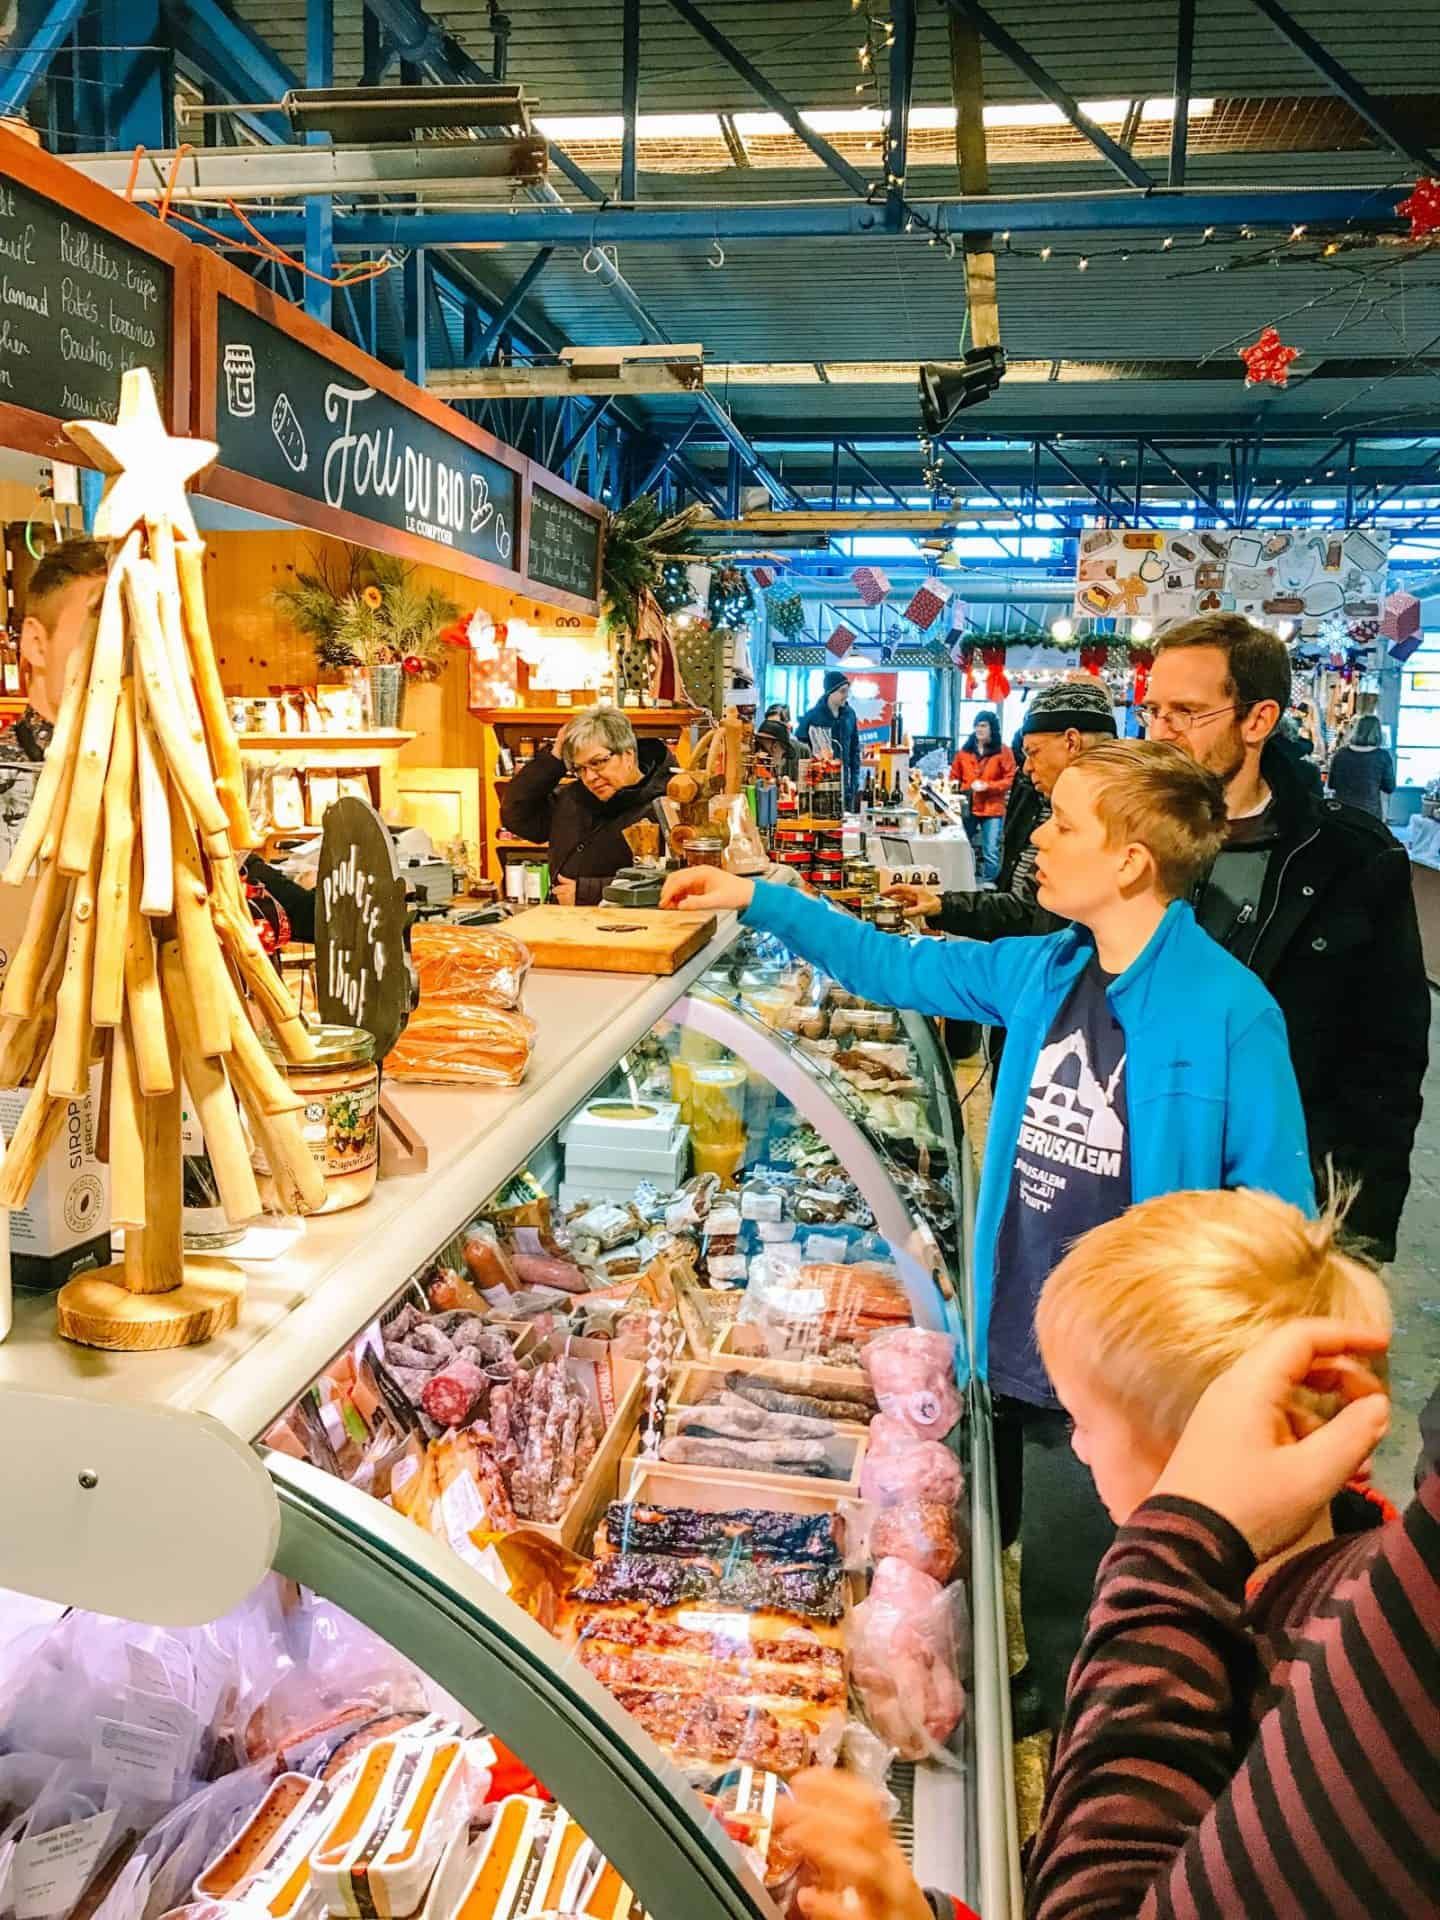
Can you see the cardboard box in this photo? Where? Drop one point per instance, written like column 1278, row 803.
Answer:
column 64, row 1227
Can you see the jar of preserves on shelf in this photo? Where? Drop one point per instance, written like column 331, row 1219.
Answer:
column 705, row 850
column 340, row 1120
column 862, row 876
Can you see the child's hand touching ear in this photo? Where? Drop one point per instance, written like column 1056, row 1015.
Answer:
column 1252, row 1456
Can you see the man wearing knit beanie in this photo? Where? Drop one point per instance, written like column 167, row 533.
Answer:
column 1060, row 722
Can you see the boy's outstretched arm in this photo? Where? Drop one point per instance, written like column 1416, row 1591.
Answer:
column 966, row 981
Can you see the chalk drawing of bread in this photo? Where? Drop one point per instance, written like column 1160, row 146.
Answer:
column 289, row 434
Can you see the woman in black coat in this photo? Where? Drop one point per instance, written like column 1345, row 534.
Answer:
column 1362, row 772
column 617, row 780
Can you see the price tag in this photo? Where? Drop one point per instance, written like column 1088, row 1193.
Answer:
column 51, row 1870
column 159, row 1713
column 137, row 1760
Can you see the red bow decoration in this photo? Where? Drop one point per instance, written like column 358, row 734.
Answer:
column 457, row 634
column 1422, row 208
column 1141, row 659
column 997, row 684
column 1094, row 656
column 964, row 658
column 1268, row 359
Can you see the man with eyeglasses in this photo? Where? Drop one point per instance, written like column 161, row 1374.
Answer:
column 616, row 780
column 1315, row 898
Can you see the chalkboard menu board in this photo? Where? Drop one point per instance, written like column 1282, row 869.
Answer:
column 564, row 544
column 77, row 308
column 286, row 415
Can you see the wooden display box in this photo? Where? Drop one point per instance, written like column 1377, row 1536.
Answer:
column 797, row 1367
column 690, row 1384
column 576, row 1525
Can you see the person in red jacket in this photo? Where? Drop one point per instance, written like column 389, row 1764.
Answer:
column 985, row 768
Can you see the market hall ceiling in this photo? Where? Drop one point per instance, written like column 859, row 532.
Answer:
column 1261, row 116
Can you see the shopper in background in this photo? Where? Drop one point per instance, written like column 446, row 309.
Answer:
column 617, row 780
column 985, row 769
column 1062, row 721
column 1140, row 1060
column 832, row 714
column 1362, row 772
column 1314, row 897
column 773, row 738
column 62, row 604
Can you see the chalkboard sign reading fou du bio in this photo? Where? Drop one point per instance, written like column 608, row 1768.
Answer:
column 286, row 415
column 77, row 308
column 564, row 544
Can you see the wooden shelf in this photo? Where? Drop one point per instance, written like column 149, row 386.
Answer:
column 641, row 718
column 326, row 743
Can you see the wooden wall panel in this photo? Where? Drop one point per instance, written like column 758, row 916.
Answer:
column 259, row 649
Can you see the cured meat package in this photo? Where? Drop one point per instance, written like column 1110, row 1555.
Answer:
column 908, row 1646
column 913, row 1373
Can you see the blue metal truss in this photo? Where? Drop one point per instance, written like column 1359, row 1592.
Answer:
column 897, row 129
column 1371, row 111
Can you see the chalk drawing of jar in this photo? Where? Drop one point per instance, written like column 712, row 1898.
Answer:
column 240, row 382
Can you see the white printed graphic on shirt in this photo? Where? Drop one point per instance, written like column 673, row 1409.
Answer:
column 1070, row 1117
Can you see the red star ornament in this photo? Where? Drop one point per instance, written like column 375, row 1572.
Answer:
column 1268, row 359
column 1422, row 208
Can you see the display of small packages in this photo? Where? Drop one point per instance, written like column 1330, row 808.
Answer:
column 64, row 1226
column 611, row 1144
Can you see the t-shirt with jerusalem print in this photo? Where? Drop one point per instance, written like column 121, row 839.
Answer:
column 1071, row 1173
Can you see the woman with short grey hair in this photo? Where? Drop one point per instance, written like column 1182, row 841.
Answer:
column 617, row 779
column 1362, row 772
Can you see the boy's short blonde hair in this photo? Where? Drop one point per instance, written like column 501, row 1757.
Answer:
column 1149, row 792
column 1160, row 1301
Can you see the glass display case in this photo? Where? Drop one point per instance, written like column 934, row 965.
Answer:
column 550, row 1524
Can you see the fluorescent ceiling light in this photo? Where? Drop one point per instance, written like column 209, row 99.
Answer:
column 823, row 120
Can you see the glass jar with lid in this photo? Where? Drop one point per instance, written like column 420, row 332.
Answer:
column 340, row 1121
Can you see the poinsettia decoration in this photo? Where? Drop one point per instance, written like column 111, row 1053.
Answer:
column 1267, row 359
column 1422, row 208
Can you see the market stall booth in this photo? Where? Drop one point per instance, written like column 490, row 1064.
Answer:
column 379, row 568
column 536, row 1524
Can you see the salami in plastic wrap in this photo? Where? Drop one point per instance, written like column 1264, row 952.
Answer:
column 913, row 1373
column 919, row 1532
column 470, row 963
column 452, row 1395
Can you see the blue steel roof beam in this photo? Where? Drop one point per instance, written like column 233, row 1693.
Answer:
column 773, row 98
column 228, row 52
column 897, row 130
column 1343, row 82
column 505, row 313
column 1006, row 43
column 667, row 453
column 1293, row 486
column 1192, row 210
column 421, row 42
column 881, row 486
column 1180, row 104
column 36, row 41
column 1106, row 505
column 590, row 418
column 1205, row 498
column 1413, row 480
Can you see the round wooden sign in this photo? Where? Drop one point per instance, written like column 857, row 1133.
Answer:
column 362, row 972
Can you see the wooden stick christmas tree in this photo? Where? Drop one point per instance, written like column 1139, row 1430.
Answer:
column 139, row 950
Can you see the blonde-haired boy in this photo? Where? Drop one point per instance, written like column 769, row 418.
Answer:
column 1147, row 1311
column 1140, row 1059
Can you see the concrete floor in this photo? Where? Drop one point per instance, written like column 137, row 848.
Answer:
column 1415, row 1293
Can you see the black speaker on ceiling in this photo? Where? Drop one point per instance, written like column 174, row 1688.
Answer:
column 948, row 390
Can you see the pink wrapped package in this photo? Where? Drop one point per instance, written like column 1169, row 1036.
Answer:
column 905, row 1657
column 916, row 1470
column 913, row 1374
column 919, row 1532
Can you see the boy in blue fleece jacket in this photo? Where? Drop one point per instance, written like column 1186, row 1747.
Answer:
column 1140, row 1059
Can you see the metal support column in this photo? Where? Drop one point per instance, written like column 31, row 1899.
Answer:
column 415, row 276
column 494, row 332
column 1180, row 116
column 41, row 29
column 897, row 133
column 629, row 97
column 137, row 92
column 319, row 208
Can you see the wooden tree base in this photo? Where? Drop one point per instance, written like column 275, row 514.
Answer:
column 98, row 1310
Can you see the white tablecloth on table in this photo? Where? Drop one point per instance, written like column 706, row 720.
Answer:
column 947, row 852
column 1421, row 837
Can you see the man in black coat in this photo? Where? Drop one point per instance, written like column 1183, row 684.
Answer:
column 833, row 714
column 1314, row 897
column 616, row 781
column 1061, row 721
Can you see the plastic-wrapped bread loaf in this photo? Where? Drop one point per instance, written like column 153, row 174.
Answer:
column 469, row 963
column 459, row 1042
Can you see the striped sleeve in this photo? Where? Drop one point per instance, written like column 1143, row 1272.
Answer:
column 1163, row 1807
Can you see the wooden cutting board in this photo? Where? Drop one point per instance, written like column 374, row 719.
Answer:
column 611, row 939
